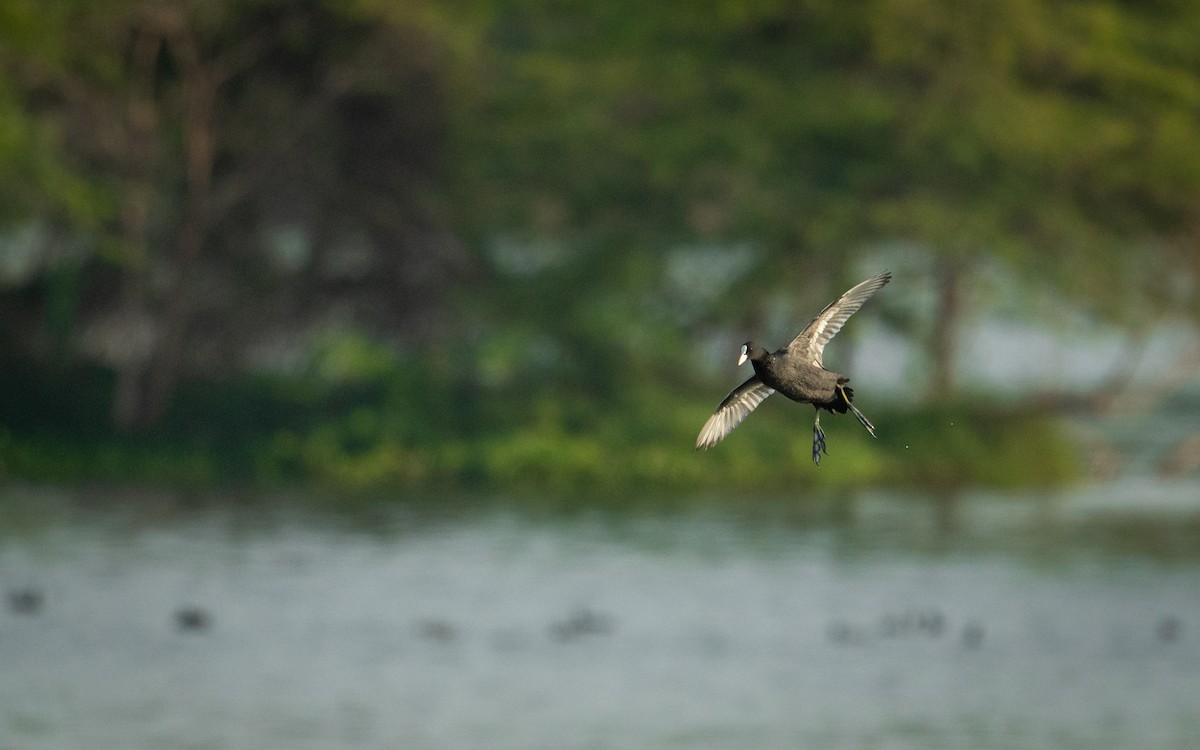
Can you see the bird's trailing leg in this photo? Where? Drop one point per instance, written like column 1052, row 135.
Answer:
column 818, row 441
column 862, row 418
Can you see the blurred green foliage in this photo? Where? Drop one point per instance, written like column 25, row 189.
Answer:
column 362, row 431
column 495, row 242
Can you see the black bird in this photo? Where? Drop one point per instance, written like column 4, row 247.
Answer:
column 796, row 371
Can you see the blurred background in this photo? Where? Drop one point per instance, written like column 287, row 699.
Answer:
column 352, row 355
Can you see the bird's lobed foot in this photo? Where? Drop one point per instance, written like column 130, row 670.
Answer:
column 818, row 445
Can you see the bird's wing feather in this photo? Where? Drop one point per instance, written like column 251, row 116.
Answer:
column 736, row 406
column 810, row 343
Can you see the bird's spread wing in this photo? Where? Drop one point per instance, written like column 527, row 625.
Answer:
column 810, row 343
column 739, row 403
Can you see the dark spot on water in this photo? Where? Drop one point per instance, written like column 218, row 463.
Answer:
column 582, row 622
column 931, row 622
column 1168, row 629
column 972, row 635
column 915, row 622
column 845, row 634
column 441, row 631
column 25, row 601
column 192, row 619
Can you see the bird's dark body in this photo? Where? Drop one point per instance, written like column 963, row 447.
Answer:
column 803, row 382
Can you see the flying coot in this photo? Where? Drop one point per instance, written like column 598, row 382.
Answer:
column 796, row 371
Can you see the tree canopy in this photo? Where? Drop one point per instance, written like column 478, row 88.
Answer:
column 204, row 186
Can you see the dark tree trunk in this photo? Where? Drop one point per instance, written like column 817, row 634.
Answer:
column 145, row 390
column 140, row 153
column 944, row 341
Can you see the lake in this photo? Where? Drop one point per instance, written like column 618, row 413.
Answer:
column 878, row 620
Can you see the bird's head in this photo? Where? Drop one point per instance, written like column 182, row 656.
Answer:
column 750, row 350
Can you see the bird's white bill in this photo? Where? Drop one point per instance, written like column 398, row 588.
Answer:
column 742, row 359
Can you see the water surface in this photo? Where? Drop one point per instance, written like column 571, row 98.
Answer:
column 878, row 621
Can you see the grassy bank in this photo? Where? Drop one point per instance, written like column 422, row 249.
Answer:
column 407, row 427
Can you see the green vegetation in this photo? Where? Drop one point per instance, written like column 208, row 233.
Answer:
column 371, row 435
column 494, row 242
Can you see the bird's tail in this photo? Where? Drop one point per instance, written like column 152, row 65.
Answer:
column 847, row 394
